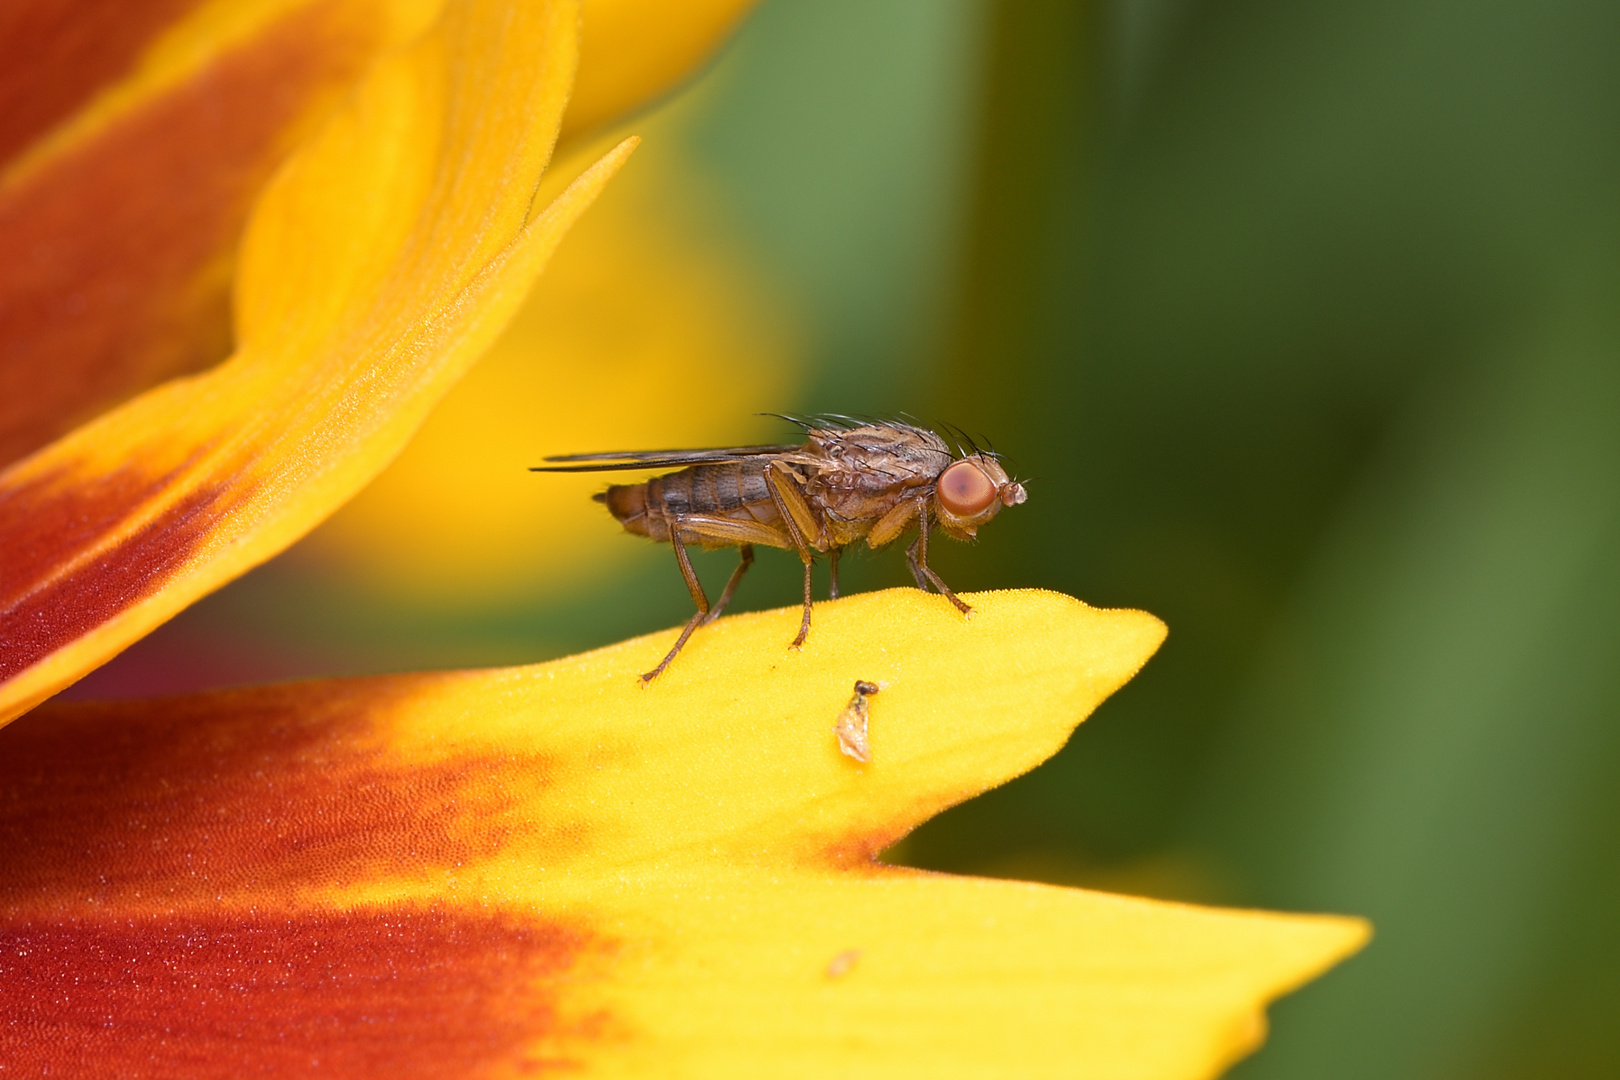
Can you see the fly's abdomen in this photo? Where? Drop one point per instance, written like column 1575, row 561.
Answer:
column 712, row 490
column 628, row 505
column 735, row 490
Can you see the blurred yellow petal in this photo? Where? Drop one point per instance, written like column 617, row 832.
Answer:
column 386, row 255
column 645, row 331
column 493, row 873
column 633, row 51
column 134, row 140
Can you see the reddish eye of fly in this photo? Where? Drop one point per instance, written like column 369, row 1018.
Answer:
column 965, row 491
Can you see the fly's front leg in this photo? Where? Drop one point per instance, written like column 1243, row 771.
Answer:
column 747, row 553
column 699, row 597
column 911, row 561
column 920, row 563
column 791, row 506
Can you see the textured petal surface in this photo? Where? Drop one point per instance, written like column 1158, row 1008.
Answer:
column 491, row 872
column 135, row 137
column 378, row 264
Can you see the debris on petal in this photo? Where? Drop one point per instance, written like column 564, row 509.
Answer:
column 843, row 963
column 851, row 726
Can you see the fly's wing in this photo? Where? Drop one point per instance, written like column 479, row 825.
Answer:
column 624, row 460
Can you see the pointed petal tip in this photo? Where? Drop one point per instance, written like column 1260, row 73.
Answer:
column 965, row 704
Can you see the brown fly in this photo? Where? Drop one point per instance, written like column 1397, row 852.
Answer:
column 847, row 482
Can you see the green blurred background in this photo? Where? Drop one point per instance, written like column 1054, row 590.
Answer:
column 1303, row 319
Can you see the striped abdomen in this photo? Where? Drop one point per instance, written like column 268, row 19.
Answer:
column 733, row 489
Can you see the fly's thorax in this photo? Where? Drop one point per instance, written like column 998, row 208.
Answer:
column 864, row 472
column 971, row 491
column 839, row 531
column 880, row 450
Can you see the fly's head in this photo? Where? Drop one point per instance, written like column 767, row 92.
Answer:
column 970, row 492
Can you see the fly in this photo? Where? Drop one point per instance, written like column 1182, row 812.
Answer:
column 847, row 482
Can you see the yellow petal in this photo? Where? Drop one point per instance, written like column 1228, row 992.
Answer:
column 378, row 264
column 632, row 51
column 134, row 139
column 486, row 872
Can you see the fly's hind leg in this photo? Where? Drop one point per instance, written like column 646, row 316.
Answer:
column 917, row 556
column 747, row 553
column 699, row 597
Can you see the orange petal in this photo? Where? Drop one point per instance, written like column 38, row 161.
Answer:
column 377, row 266
column 490, row 872
column 121, row 221
column 633, row 51
column 54, row 54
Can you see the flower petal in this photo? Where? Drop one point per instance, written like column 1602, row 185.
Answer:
column 121, row 219
column 54, row 55
column 473, row 873
column 381, row 261
column 157, row 121
column 633, row 51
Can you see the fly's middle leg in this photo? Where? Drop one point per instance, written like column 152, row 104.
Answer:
column 804, row 623
column 832, row 574
column 747, row 560
column 792, row 508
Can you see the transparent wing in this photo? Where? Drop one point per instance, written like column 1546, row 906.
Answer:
column 623, row 460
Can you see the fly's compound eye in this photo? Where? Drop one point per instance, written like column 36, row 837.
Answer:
column 965, row 491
